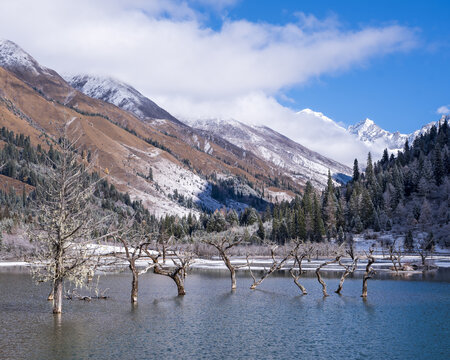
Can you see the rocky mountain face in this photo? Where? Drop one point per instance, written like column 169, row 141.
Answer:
column 298, row 161
column 132, row 135
column 37, row 102
column 246, row 142
column 120, row 94
column 371, row 134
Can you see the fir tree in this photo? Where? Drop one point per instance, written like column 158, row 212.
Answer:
column 356, row 173
column 261, row 232
column 409, row 242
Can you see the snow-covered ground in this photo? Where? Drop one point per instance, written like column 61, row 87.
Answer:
column 262, row 263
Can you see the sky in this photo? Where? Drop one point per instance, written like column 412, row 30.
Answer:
column 256, row 61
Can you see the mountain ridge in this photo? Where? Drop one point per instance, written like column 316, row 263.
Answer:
column 297, row 159
column 369, row 132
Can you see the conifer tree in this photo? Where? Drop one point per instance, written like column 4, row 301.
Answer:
column 261, row 232
column 319, row 228
column 356, row 173
column 409, row 242
column 329, row 208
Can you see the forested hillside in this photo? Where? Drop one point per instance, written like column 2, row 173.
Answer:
column 407, row 192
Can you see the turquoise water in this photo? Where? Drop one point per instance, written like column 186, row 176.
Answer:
column 401, row 319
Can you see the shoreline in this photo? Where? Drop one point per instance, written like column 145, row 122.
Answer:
column 260, row 263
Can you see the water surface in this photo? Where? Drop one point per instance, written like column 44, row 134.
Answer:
column 402, row 319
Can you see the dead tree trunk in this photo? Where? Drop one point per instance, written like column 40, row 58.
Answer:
column 297, row 276
column 319, row 277
column 275, row 266
column 350, row 269
column 57, row 296
column 223, row 245
column 179, row 281
column 392, row 258
column 232, row 274
column 134, row 285
column 177, row 274
column 368, row 273
column 133, row 244
column 395, row 255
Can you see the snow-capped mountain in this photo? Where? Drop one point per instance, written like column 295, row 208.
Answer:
column 120, row 94
column 13, row 57
column 370, row 133
column 300, row 162
column 373, row 135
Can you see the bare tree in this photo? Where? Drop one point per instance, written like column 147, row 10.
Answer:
column 368, row 273
column 134, row 243
column 349, row 269
column 276, row 265
column 319, row 277
column 65, row 224
column 425, row 248
column 164, row 241
column 177, row 272
column 296, row 275
column 223, row 243
column 395, row 255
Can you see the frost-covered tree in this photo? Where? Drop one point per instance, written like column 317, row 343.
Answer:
column 65, row 223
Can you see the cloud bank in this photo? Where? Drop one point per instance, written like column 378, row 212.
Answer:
column 164, row 49
column 443, row 110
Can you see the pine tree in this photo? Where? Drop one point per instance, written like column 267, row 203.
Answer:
column 329, row 208
column 438, row 167
column 367, row 209
column 409, row 241
column 370, row 175
column 385, row 158
column 356, row 173
column 232, row 218
column 340, row 236
column 150, row 174
column 319, row 228
column 261, row 232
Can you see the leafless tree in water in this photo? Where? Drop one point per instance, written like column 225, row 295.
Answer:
column 319, row 277
column 349, row 269
column 395, row 255
column 65, row 223
column 368, row 273
column 296, row 274
column 177, row 271
column 134, row 239
column 224, row 243
column 276, row 265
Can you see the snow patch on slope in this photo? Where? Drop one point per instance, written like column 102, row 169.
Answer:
column 298, row 161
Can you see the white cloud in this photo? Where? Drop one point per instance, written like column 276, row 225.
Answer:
column 443, row 110
column 163, row 48
column 309, row 128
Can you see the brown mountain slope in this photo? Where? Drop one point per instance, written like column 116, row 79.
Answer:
column 25, row 108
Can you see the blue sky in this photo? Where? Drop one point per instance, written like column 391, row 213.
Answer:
column 258, row 62
column 400, row 91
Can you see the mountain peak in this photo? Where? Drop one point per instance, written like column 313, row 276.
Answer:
column 370, row 133
column 118, row 93
column 318, row 114
column 12, row 56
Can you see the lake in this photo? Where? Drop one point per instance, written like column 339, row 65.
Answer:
column 401, row 319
